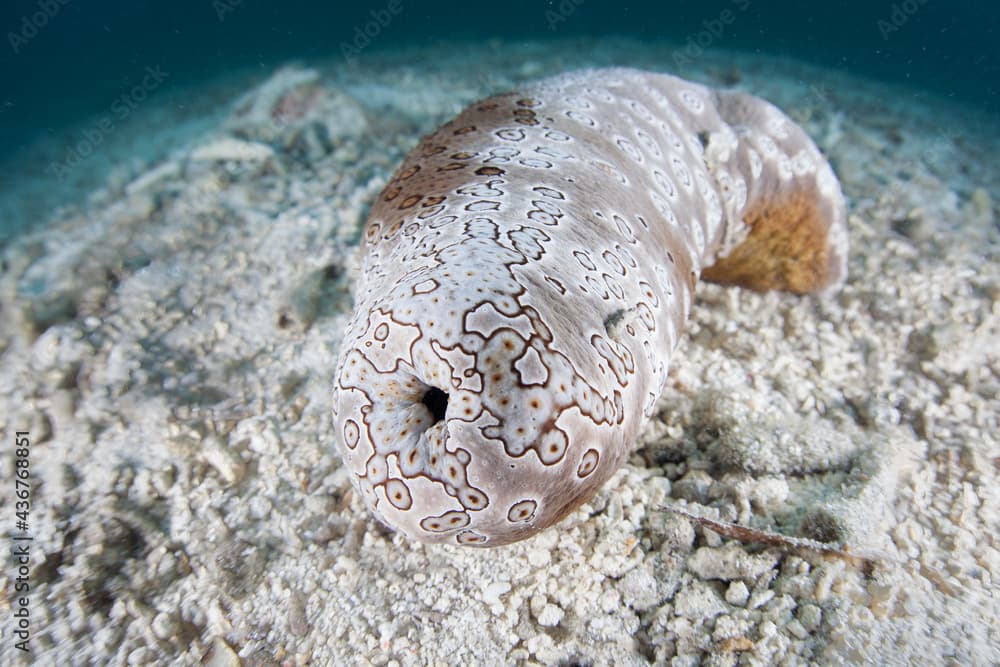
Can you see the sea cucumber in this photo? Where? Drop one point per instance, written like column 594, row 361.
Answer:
column 525, row 276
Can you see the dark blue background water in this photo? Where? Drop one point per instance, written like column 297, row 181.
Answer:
column 63, row 60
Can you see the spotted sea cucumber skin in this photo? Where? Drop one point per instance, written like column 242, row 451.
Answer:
column 535, row 259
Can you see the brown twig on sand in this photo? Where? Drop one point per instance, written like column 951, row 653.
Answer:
column 746, row 534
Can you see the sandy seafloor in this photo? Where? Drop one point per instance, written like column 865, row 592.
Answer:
column 169, row 342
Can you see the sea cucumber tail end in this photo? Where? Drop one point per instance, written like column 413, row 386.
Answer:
column 794, row 220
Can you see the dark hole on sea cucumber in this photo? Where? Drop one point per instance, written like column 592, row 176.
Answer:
column 436, row 401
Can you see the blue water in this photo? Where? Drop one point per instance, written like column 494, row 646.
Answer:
column 62, row 61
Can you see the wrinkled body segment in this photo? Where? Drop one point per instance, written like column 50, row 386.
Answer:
column 526, row 275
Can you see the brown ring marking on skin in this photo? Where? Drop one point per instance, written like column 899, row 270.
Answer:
column 522, row 511
column 451, row 520
column 588, row 463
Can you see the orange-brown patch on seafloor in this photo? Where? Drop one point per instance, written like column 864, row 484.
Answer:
column 788, row 248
